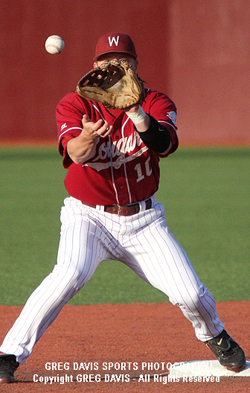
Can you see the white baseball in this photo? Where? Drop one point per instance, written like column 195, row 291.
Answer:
column 54, row 44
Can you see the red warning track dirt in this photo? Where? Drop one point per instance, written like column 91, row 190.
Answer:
column 131, row 340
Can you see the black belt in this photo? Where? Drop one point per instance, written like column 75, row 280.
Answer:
column 125, row 210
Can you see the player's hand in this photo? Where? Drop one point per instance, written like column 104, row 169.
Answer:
column 95, row 130
column 83, row 147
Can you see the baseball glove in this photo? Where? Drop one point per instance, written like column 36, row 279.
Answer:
column 114, row 84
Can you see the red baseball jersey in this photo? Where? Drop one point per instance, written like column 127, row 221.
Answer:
column 123, row 170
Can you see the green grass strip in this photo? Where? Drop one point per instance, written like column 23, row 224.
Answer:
column 206, row 197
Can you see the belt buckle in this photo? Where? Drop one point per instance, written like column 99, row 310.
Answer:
column 128, row 209
column 133, row 207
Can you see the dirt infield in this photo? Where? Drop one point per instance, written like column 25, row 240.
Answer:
column 119, row 348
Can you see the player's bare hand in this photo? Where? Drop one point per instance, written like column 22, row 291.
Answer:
column 97, row 129
column 83, row 147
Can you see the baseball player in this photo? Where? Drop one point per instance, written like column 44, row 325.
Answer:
column 112, row 161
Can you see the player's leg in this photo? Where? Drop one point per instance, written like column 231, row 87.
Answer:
column 80, row 252
column 158, row 258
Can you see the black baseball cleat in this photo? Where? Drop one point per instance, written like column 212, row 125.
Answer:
column 8, row 366
column 227, row 351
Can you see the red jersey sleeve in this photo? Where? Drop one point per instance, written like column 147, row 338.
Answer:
column 163, row 109
column 69, row 113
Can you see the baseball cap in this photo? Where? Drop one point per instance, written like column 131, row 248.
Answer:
column 114, row 42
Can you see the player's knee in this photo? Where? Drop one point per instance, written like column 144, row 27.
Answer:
column 70, row 276
column 194, row 299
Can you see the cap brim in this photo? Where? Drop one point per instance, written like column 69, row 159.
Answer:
column 106, row 53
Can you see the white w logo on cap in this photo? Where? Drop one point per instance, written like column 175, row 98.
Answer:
column 114, row 40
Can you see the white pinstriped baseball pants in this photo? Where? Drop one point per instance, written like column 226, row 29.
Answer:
column 142, row 241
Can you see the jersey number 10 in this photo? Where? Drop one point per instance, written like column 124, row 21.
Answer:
column 139, row 169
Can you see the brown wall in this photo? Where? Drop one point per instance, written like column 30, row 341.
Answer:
column 196, row 51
